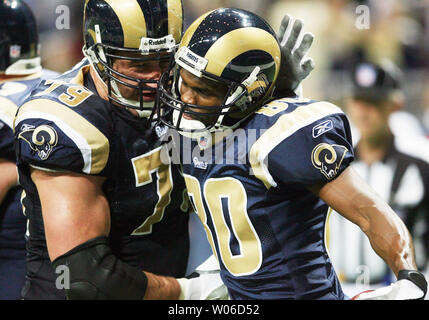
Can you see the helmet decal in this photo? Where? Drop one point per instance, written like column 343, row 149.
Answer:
column 175, row 18
column 230, row 46
column 132, row 21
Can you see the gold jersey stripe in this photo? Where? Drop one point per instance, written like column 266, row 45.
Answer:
column 284, row 127
column 92, row 143
column 7, row 111
column 132, row 20
column 230, row 45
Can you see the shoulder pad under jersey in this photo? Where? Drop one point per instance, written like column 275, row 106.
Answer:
column 306, row 143
column 64, row 125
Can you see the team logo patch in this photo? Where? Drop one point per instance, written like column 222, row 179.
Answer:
column 322, row 128
column 41, row 139
column 199, row 164
column 328, row 158
column 160, row 131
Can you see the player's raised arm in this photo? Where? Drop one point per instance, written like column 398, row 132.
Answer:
column 349, row 195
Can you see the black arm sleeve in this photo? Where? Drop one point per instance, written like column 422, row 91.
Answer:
column 96, row 274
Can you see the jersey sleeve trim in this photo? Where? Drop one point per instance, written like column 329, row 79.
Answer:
column 7, row 111
column 283, row 128
column 92, row 143
column 46, row 169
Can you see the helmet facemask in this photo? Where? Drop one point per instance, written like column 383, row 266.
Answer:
column 102, row 57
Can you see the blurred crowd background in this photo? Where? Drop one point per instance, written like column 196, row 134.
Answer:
column 398, row 31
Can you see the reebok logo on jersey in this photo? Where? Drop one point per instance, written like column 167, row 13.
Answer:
column 322, row 128
column 27, row 127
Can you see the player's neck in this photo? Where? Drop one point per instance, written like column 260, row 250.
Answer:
column 99, row 85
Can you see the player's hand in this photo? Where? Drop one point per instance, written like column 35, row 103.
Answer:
column 295, row 67
column 204, row 284
column 412, row 287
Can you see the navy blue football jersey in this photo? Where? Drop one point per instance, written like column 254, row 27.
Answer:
column 12, row 219
column 249, row 188
column 66, row 126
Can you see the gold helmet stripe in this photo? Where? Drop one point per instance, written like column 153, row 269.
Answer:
column 132, row 20
column 192, row 28
column 93, row 36
column 175, row 18
column 231, row 45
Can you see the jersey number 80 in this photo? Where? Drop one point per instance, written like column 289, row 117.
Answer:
column 215, row 190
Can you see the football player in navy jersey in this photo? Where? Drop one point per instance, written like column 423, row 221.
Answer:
column 20, row 72
column 262, row 172
column 98, row 199
column 108, row 218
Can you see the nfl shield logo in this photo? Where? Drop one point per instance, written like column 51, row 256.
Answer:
column 15, row 51
column 202, row 142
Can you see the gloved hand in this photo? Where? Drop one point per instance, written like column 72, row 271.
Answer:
column 294, row 66
column 411, row 285
column 204, row 284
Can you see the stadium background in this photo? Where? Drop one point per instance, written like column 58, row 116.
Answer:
column 398, row 30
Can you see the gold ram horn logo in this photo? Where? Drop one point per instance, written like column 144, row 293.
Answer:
column 41, row 139
column 324, row 157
